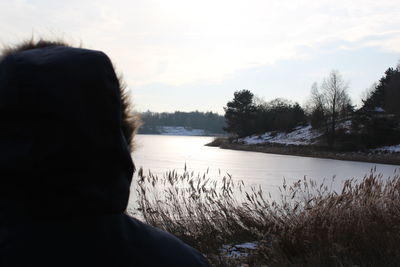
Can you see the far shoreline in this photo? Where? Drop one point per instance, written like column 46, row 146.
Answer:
column 312, row 151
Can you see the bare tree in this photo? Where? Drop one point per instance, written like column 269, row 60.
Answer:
column 316, row 97
column 316, row 108
column 333, row 99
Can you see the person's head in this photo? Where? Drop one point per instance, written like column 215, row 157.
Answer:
column 66, row 130
column 130, row 122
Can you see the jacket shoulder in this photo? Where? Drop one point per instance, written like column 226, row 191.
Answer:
column 159, row 248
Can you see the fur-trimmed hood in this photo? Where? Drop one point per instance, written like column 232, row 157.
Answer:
column 62, row 147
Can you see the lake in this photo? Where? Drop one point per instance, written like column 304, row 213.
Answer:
column 160, row 153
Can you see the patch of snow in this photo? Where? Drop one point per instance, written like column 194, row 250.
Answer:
column 346, row 125
column 253, row 140
column 179, row 130
column 391, row 149
column 239, row 250
column 379, row 109
column 301, row 135
column 247, row 245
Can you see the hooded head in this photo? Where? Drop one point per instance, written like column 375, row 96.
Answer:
column 65, row 132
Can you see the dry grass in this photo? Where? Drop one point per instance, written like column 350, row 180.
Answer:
column 309, row 226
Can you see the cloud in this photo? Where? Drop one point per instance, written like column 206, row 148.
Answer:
column 178, row 42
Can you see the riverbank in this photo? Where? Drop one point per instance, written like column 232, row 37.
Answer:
column 380, row 157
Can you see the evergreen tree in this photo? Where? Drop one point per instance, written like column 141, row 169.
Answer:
column 377, row 121
column 317, row 118
column 208, row 121
column 379, row 94
column 240, row 114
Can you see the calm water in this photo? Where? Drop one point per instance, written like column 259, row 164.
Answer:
column 163, row 153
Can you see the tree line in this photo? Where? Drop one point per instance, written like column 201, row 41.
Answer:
column 208, row 121
column 245, row 115
column 375, row 123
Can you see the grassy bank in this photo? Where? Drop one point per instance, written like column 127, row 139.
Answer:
column 310, row 151
column 308, row 226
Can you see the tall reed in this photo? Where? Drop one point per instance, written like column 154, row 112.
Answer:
column 309, row 225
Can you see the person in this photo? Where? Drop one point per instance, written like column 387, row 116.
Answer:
column 66, row 168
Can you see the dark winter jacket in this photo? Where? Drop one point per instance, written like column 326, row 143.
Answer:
column 65, row 167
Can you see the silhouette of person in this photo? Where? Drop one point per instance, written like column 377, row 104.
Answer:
column 66, row 168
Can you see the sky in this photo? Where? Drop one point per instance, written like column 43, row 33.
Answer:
column 193, row 55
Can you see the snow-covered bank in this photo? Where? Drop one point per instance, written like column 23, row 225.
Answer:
column 314, row 152
column 170, row 130
column 388, row 149
column 307, row 142
column 304, row 136
column 301, row 135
